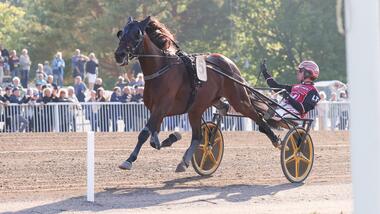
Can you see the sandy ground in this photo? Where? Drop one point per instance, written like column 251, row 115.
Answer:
column 46, row 173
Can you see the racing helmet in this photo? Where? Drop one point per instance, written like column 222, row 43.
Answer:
column 310, row 69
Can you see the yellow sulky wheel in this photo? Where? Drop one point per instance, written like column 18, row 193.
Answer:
column 207, row 156
column 296, row 162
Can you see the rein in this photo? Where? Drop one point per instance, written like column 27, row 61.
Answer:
column 162, row 70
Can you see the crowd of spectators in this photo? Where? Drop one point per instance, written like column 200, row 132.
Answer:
column 49, row 87
column 332, row 117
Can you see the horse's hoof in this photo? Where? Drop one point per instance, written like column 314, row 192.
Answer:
column 174, row 137
column 126, row 165
column 181, row 167
column 154, row 141
column 155, row 145
column 166, row 143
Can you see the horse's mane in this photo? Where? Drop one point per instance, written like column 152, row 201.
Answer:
column 160, row 35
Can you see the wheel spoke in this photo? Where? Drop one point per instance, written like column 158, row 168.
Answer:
column 297, row 167
column 290, row 158
column 294, row 145
column 304, row 158
column 212, row 157
column 206, row 137
column 216, row 140
column 203, row 160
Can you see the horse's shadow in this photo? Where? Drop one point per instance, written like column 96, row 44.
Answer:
column 172, row 192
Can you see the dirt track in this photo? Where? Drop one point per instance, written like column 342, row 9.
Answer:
column 47, row 173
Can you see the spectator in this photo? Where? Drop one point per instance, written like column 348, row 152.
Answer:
column 92, row 111
column 80, row 89
column 79, row 66
column 25, row 64
column 40, row 80
column 47, row 111
column 8, row 93
column 140, row 80
column 40, row 70
column 103, row 111
column 14, row 63
column 2, row 63
column 5, row 55
column 18, row 121
column 3, row 101
column 138, row 95
column 71, row 95
column 33, row 115
column 63, row 111
column 125, row 112
column 116, row 94
column 73, row 108
column 91, row 70
column 47, row 96
column 115, row 109
column 16, row 83
column 334, row 110
column 127, row 94
column 322, row 108
column 74, row 61
column 136, row 68
column 120, row 82
column 131, row 80
column 47, row 69
column 39, row 90
column 58, row 65
column 4, row 52
column 98, row 84
column 343, row 114
column 7, row 109
column 50, row 81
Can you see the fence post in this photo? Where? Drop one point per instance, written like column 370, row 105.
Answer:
column 90, row 166
column 56, row 118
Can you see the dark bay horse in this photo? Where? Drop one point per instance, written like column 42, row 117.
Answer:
column 168, row 86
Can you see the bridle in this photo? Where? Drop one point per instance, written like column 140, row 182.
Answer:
column 139, row 45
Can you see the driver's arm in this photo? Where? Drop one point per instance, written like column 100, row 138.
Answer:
column 273, row 84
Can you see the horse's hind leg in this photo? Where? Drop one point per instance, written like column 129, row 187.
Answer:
column 243, row 105
column 195, row 122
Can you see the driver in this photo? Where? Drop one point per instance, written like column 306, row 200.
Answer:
column 299, row 98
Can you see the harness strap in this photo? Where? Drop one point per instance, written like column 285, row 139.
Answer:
column 193, row 86
column 160, row 72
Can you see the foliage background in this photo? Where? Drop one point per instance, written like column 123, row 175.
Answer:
column 284, row 32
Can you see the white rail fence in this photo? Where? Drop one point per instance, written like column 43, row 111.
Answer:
column 125, row 117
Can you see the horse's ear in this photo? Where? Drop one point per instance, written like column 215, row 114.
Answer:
column 119, row 33
column 144, row 23
column 130, row 19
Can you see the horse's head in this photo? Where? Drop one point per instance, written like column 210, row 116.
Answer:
column 130, row 40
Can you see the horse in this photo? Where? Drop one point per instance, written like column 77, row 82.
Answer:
column 169, row 89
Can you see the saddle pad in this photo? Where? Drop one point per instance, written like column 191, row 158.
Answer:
column 200, row 64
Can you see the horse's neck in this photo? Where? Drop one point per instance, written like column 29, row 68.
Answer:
column 150, row 65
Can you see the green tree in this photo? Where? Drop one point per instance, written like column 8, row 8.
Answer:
column 284, row 32
column 287, row 32
column 12, row 25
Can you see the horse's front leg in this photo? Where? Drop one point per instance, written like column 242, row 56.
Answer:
column 151, row 129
